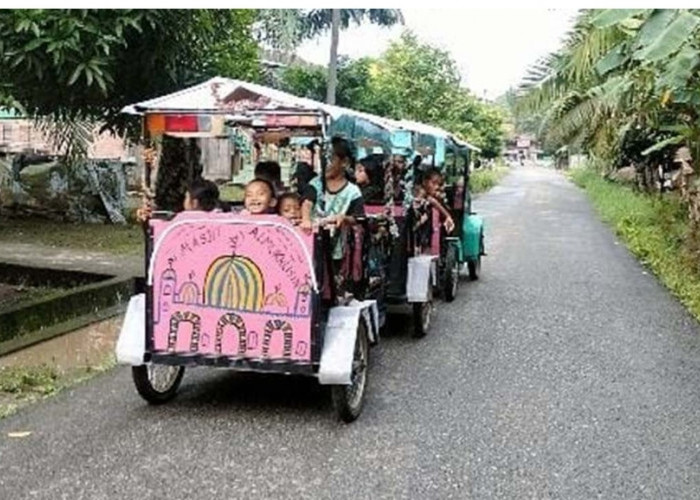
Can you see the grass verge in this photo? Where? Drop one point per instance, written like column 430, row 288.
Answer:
column 483, row 179
column 116, row 239
column 655, row 229
column 21, row 386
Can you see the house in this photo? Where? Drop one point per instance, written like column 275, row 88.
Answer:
column 19, row 134
column 522, row 147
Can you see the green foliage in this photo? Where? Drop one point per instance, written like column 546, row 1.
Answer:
column 654, row 229
column 287, row 28
column 412, row 81
column 40, row 380
column 620, row 71
column 85, row 65
column 483, row 179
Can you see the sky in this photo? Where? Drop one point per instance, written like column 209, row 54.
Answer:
column 492, row 47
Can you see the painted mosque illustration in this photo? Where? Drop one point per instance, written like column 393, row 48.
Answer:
column 234, row 284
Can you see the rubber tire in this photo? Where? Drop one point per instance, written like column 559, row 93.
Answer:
column 344, row 409
column 146, row 390
column 419, row 329
column 474, row 268
column 451, row 280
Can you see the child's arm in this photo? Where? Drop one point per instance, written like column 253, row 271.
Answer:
column 306, row 207
column 449, row 223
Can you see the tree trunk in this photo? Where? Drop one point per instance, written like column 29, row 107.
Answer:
column 333, row 63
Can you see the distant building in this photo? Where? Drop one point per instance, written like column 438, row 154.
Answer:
column 522, row 147
column 19, row 134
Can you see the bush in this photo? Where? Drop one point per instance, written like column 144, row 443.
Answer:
column 483, row 179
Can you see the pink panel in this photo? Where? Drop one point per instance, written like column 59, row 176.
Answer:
column 234, row 285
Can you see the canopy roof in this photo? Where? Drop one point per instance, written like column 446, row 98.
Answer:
column 238, row 101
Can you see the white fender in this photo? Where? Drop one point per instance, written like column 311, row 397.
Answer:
column 422, row 274
column 131, row 345
column 339, row 340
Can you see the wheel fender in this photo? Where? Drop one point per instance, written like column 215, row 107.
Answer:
column 338, row 347
column 131, row 345
column 473, row 229
column 422, row 274
column 339, row 340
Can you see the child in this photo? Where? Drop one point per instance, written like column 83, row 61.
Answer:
column 289, row 207
column 259, row 197
column 342, row 200
column 339, row 204
column 272, row 173
column 201, row 194
column 420, row 213
column 368, row 177
column 432, row 182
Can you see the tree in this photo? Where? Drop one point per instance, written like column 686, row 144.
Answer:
column 354, row 83
column 415, row 80
column 77, row 66
column 624, row 78
column 287, row 29
column 409, row 81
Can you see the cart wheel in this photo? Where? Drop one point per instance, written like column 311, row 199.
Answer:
column 422, row 313
column 451, row 275
column 157, row 384
column 349, row 399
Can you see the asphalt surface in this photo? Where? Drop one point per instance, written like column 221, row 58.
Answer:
column 566, row 372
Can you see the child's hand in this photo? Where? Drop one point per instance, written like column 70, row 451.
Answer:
column 449, row 225
column 306, row 225
column 339, row 221
column 144, row 213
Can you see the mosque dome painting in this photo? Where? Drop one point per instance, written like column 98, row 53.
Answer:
column 234, row 282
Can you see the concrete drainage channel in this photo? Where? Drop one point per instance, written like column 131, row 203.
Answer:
column 60, row 301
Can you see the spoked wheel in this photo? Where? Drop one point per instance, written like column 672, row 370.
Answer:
column 451, row 275
column 349, row 399
column 157, row 384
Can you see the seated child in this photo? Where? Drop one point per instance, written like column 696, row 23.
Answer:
column 289, row 207
column 272, row 173
column 368, row 173
column 259, row 198
column 432, row 182
column 200, row 194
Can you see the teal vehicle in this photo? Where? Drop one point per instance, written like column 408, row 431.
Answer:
column 464, row 247
column 469, row 237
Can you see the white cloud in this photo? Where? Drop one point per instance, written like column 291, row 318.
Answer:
column 492, row 47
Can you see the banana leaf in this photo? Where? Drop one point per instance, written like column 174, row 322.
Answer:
column 662, row 144
column 671, row 39
column 609, row 17
column 615, row 58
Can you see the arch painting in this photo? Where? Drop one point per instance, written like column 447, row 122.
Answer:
column 184, row 317
column 234, row 321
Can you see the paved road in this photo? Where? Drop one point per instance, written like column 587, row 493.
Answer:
column 566, row 372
